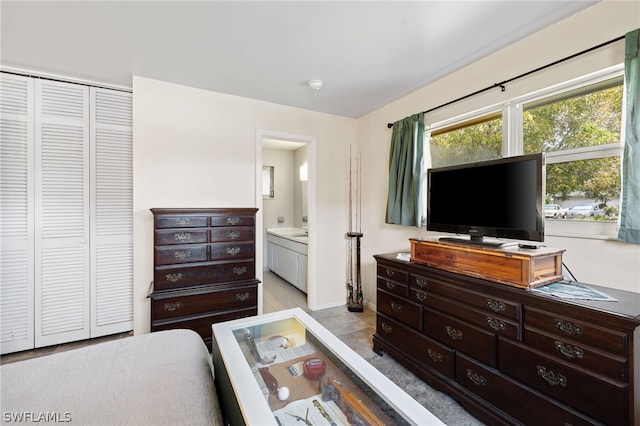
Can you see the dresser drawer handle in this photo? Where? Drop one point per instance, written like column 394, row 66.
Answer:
column 396, row 306
column 171, row 306
column 233, row 220
column 477, row 379
column 550, row 377
column 239, row 270
column 495, row 324
column 242, row 296
column 390, row 273
column 568, row 328
column 233, row 234
column 183, row 236
column 453, row 333
column 568, row 350
column 233, row 251
column 183, row 221
column 435, row 356
column 182, row 255
column 495, row 305
column 386, row 328
column 390, row 285
column 421, row 296
column 174, row 278
column 422, row 283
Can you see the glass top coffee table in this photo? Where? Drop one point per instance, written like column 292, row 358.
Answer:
column 285, row 368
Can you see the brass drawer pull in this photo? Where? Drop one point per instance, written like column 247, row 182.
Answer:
column 550, row 377
column 233, row 234
column 233, row 220
column 171, row 306
column 495, row 324
column 233, row 251
column 390, row 285
column 183, row 236
column 568, row 328
column 568, row 350
column 495, row 305
column 183, row 221
column 396, row 306
column 435, row 356
column 477, row 379
column 174, row 278
column 421, row 296
column 421, row 282
column 239, row 270
column 390, row 273
column 386, row 327
column 242, row 296
column 454, row 334
column 182, row 255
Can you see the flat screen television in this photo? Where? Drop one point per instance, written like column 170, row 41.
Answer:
column 500, row 198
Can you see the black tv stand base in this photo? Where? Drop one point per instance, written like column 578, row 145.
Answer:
column 482, row 242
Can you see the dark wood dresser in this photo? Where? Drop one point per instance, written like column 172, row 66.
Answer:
column 508, row 355
column 204, row 268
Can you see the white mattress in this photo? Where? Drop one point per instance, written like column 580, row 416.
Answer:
column 163, row 378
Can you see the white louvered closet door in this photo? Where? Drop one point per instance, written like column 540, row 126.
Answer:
column 16, row 217
column 112, row 204
column 62, row 273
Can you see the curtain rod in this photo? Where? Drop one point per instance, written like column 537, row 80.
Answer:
column 501, row 85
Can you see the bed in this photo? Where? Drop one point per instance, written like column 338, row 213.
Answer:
column 162, row 378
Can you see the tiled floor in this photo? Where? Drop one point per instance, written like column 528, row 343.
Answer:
column 356, row 329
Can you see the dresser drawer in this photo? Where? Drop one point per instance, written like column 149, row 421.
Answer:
column 180, row 221
column 605, row 400
column 233, row 220
column 397, row 275
column 493, row 305
column 400, row 309
column 520, row 402
column 182, row 303
column 482, row 319
column 239, row 250
column 418, row 282
column 240, row 233
column 392, row 287
column 425, row 351
column 578, row 331
column 181, row 236
column 461, row 336
column 175, row 277
column 168, row 255
column 613, row 366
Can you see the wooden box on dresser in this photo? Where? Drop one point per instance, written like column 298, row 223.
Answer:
column 204, row 268
column 508, row 355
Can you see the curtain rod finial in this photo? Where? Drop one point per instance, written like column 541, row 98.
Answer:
column 389, row 125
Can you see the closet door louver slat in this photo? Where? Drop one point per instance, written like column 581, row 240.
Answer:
column 16, row 219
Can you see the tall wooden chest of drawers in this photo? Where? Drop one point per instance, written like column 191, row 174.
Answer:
column 204, row 268
column 508, row 355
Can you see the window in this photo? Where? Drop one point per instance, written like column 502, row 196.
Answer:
column 577, row 125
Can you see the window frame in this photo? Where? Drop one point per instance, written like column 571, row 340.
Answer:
column 513, row 141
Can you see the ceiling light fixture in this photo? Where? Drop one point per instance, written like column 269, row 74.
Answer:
column 315, row 84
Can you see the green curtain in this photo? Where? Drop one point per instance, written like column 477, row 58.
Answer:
column 630, row 207
column 405, row 205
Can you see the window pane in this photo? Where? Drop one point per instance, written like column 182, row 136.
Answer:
column 587, row 120
column 588, row 189
column 478, row 142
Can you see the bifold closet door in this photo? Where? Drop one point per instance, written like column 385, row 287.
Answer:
column 17, row 215
column 62, row 249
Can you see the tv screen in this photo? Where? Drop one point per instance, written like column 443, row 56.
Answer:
column 498, row 198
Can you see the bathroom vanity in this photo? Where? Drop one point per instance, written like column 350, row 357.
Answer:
column 287, row 255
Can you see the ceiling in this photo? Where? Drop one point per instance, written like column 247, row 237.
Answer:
column 368, row 53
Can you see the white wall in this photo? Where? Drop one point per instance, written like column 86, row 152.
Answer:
column 608, row 263
column 195, row 148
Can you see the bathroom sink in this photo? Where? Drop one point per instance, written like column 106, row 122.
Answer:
column 296, row 235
